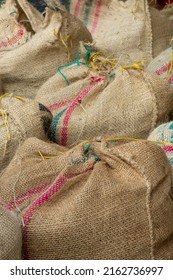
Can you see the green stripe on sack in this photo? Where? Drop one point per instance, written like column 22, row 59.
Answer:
column 87, row 11
column 55, row 123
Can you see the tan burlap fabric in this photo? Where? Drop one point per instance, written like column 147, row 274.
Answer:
column 10, row 236
column 162, row 65
column 168, row 11
column 103, row 201
column 18, row 21
column 25, row 69
column 130, row 104
column 124, row 27
column 20, row 120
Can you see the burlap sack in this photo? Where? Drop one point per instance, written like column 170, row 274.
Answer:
column 25, row 69
column 131, row 103
column 162, row 65
column 123, row 27
column 96, row 201
column 10, row 236
column 168, row 11
column 19, row 120
column 163, row 136
column 18, row 21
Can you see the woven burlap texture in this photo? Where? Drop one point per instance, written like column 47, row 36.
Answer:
column 19, row 20
column 131, row 104
column 124, row 27
column 95, row 201
column 10, row 236
column 20, row 119
column 25, row 69
column 162, row 65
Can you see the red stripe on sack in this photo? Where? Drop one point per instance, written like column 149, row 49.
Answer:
column 96, row 16
column 25, row 196
column 14, row 39
column 58, row 105
column 77, row 8
column 45, row 197
column 96, row 80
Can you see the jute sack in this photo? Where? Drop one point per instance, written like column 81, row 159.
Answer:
column 168, row 11
column 131, row 103
column 163, row 136
column 96, row 201
column 20, row 119
column 25, row 69
column 124, row 27
column 162, row 65
column 10, row 236
column 18, row 21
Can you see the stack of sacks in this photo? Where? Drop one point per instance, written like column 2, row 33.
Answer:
column 162, row 65
column 123, row 27
column 20, row 119
column 163, row 135
column 10, row 235
column 126, row 102
column 99, row 200
column 55, row 43
column 18, row 21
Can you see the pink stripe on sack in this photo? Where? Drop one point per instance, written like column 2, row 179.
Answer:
column 77, row 8
column 163, row 69
column 168, row 149
column 58, row 105
column 170, row 80
column 96, row 16
column 45, row 197
column 25, row 196
column 15, row 38
column 96, row 80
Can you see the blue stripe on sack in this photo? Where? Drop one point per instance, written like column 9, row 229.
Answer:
column 55, row 123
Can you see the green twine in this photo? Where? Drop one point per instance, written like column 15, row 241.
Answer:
column 87, row 148
column 112, row 75
column 85, row 159
column 88, row 54
column 13, row 12
column 77, row 62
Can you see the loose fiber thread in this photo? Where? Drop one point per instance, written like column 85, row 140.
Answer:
column 67, row 43
column 98, row 61
column 137, row 139
column 171, row 66
column 4, row 115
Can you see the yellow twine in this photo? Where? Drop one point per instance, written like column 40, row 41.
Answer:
column 136, row 65
column 170, row 68
column 137, row 139
column 136, row 5
column 48, row 157
column 15, row 96
column 98, row 60
column 4, row 115
column 68, row 44
column 108, row 140
column 155, row 2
